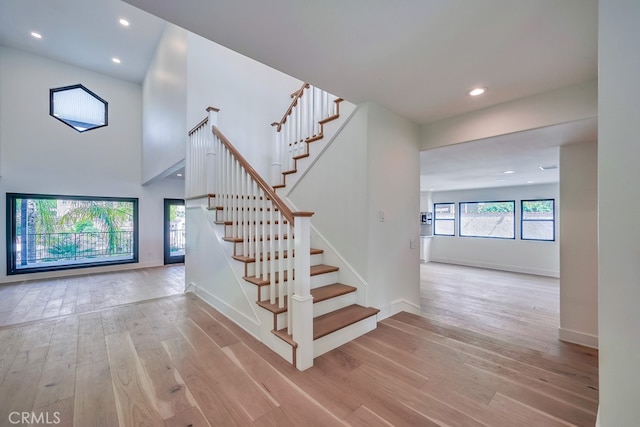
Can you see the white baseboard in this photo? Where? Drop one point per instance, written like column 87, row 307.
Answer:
column 500, row 267
column 396, row 307
column 242, row 320
column 576, row 337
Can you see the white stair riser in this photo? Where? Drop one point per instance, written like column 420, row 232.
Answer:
column 239, row 246
column 315, row 260
column 343, row 336
column 323, row 307
column 269, row 339
column 228, row 229
column 333, row 304
column 324, row 279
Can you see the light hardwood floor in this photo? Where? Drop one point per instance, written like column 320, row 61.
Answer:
column 175, row 361
column 48, row 298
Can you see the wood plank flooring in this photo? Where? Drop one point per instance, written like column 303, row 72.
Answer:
column 175, row 361
column 48, row 298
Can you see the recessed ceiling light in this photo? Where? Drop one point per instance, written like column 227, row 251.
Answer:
column 477, row 91
column 530, row 182
column 116, row 60
column 124, row 22
column 509, row 172
column 179, row 174
column 36, row 35
column 546, row 168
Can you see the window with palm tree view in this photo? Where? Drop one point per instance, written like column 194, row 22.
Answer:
column 61, row 232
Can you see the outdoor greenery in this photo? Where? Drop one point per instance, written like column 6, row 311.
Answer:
column 51, row 227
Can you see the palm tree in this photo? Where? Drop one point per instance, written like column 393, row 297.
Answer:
column 106, row 216
column 40, row 216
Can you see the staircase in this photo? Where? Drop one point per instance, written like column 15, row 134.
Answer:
column 304, row 309
column 337, row 319
column 302, row 124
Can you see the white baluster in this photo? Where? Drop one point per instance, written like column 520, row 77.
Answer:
column 256, row 234
column 290, row 255
column 281, row 269
column 245, row 212
column 272, row 253
column 263, row 240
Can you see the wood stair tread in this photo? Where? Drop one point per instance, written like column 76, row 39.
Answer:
column 336, row 320
column 248, row 259
column 315, row 270
column 319, row 294
column 332, row 322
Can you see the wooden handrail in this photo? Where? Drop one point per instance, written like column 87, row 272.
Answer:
column 199, row 125
column 295, row 95
column 268, row 190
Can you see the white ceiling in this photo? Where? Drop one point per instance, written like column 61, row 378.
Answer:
column 415, row 57
column 84, row 33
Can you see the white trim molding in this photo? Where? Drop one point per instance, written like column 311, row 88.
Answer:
column 576, row 337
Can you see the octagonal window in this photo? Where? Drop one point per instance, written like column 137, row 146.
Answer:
column 78, row 107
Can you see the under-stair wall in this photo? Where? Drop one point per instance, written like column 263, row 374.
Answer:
column 365, row 192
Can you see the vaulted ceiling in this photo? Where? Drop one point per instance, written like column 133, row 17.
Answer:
column 415, row 57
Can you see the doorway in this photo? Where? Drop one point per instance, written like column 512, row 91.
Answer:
column 174, row 235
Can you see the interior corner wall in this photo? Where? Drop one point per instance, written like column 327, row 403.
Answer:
column 42, row 155
column 579, row 248
column 164, row 95
column 524, row 256
column 618, row 212
column 393, row 162
column 250, row 96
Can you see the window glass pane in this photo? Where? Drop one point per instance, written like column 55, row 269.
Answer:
column 444, row 219
column 54, row 232
column 537, row 209
column 537, row 230
column 444, row 210
column 488, row 219
column 538, row 219
column 78, row 107
column 446, row 228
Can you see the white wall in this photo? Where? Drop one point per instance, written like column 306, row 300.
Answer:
column 371, row 167
column 393, row 160
column 42, row 155
column 525, row 256
column 579, row 248
column 164, row 95
column 618, row 211
column 563, row 105
column 250, row 96
column 335, row 189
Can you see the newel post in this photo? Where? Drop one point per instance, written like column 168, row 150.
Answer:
column 302, row 301
column 211, row 159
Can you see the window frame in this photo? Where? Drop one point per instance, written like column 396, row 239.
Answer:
column 11, row 234
column 552, row 221
column 513, row 202
column 52, row 93
column 435, row 218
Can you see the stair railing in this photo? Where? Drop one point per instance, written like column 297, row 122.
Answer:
column 310, row 108
column 263, row 226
